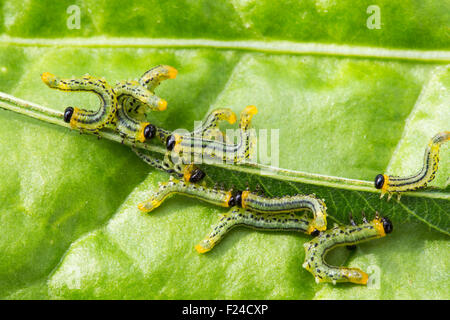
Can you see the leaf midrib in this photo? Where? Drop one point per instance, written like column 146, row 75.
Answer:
column 263, row 46
column 7, row 102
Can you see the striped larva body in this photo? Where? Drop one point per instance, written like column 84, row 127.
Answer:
column 157, row 163
column 146, row 85
column 209, row 128
column 129, row 95
column 189, row 172
column 257, row 203
column 83, row 119
column 264, row 221
column 173, row 186
column 137, row 97
column 316, row 250
column 244, row 199
column 153, row 77
column 211, row 149
column 134, row 92
column 193, row 175
column 392, row 184
column 132, row 129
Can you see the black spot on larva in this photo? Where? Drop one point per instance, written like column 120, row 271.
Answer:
column 149, row 131
column 68, row 114
column 170, row 143
column 351, row 247
column 387, row 225
column 315, row 233
column 232, row 201
column 238, row 198
column 196, row 175
column 379, row 181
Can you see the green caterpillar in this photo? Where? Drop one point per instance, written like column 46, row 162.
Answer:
column 230, row 153
column 85, row 120
column 147, row 85
column 317, row 248
column 244, row 199
column 189, row 172
column 153, row 77
column 392, row 184
column 242, row 217
column 135, row 98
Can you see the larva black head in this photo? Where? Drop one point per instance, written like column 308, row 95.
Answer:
column 196, row 175
column 170, row 143
column 238, row 198
column 232, row 201
column 149, row 131
column 387, row 225
column 315, row 233
column 379, row 181
column 68, row 114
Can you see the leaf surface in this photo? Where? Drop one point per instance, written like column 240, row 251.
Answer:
column 347, row 102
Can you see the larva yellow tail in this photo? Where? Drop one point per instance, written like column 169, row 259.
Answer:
column 153, row 77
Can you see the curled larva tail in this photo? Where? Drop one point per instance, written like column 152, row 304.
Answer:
column 263, row 221
column 316, row 250
column 392, row 184
column 153, row 77
column 210, row 124
column 84, row 119
column 138, row 97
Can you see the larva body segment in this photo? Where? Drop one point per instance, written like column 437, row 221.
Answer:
column 264, row 221
column 211, row 149
column 83, row 119
column 132, row 129
column 147, row 85
column 153, row 77
column 134, row 99
column 258, row 203
column 209, row 128
column 317, row 249
column 211, row 195
column 157, row 163
column 394, row 184
column 247, row 200
column 137, row 94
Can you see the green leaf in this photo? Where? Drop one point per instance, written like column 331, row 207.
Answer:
column 349, row 102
